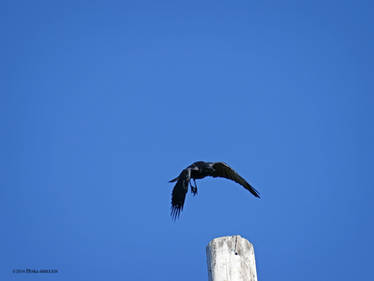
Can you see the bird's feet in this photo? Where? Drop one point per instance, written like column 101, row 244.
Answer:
column 194, row 190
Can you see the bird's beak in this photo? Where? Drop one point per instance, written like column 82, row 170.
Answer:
column 173, row 180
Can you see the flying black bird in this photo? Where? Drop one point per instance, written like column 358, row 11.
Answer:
column 199, row 170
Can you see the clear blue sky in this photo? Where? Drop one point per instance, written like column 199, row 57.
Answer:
column 102, row 102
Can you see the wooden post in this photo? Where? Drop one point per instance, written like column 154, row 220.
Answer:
column 231, row 258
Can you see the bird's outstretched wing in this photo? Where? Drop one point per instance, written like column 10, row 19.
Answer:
column 225, row 171
column 179, row 193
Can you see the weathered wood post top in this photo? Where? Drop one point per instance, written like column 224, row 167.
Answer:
column 231, row 258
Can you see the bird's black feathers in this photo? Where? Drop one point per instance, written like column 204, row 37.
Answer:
column 199, row 170
column 225, row 171
column 179, row 193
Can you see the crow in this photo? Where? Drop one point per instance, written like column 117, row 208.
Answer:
column 199, row 170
